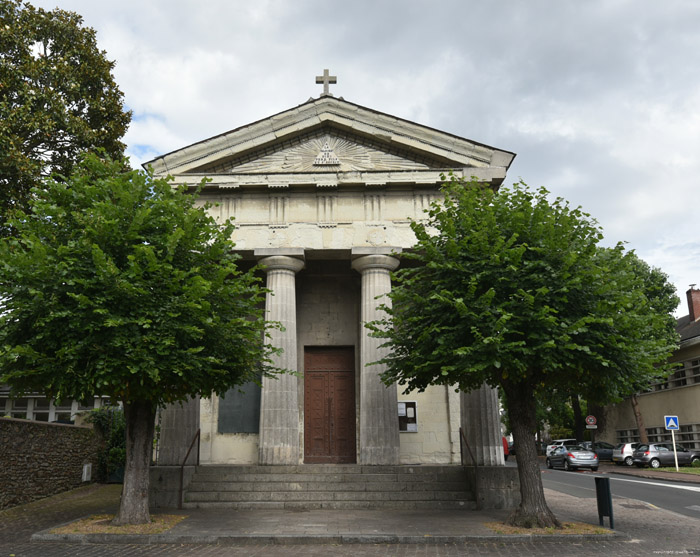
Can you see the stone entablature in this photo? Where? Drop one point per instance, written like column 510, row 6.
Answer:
column 322, row 218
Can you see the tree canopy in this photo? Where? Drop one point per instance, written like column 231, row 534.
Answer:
column 58, row 99
column 118, row 284
column 514, row 290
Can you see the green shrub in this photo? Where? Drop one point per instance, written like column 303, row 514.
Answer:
column 110, row 426
column 695, row 464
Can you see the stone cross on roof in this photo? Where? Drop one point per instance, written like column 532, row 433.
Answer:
column 326, row 80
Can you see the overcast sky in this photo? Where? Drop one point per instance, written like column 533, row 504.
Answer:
column 599, row 99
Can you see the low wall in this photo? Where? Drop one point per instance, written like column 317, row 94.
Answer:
column 38, row 459
column 165, row 485
column 499, row 486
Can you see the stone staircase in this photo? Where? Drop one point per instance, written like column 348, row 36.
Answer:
column 325, row 486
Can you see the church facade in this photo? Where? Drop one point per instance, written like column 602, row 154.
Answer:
column 322, row 196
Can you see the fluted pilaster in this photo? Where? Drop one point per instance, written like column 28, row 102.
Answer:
column 379, row 428
column 279, row 405
column 481, row 424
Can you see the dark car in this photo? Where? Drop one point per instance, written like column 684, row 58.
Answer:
column 572, row 457
column 661, row 454
column 601, row 448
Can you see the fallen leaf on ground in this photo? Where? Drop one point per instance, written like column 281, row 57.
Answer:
column 567, row 528
column 102, row 524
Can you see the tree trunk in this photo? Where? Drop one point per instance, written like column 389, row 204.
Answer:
column 140, row 423
column 533, row 511
column 578, row 418
column 640, row 421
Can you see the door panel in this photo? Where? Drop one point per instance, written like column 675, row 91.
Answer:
column 329, row 405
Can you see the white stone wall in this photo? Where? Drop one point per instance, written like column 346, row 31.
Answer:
column 433, row 442
column 226, row 448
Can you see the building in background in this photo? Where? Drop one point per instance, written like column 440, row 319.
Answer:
column 676, row 395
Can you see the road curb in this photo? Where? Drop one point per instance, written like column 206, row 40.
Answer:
column 316, row 539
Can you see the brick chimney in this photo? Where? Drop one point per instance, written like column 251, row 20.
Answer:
column 693, row 303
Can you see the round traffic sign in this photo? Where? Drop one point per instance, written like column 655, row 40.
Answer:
column 590, row 420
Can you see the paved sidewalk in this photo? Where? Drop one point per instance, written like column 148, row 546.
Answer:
column 641, row 529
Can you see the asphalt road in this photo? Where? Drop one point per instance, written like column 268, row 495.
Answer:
column 682, row 498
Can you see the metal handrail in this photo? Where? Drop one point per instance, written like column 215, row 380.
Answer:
column 462, row 442
column 182, row 466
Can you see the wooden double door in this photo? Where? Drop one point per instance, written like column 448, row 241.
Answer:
column 329, row 405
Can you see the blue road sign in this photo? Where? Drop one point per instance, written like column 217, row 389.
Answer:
column 671, row 423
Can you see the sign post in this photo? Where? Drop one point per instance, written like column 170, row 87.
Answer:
column 672, row 426
column 591, row 424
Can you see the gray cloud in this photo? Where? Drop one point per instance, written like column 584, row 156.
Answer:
column 600, row 99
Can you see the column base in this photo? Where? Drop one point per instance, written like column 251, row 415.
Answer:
column 374, row 456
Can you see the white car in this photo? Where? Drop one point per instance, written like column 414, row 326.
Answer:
column 559, row 443
column 622, row 453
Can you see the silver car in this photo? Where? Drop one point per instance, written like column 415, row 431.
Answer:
column 572, row 457
column 622, row 453
column 661, row 454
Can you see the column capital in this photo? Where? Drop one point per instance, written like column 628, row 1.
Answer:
column 366, row 262
column 281, row 262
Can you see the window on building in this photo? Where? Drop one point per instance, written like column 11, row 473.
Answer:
column 678, row 378
column 239, row 410
column 627, row 436
column 18, row 408
column 41, row 409
column 693, row 374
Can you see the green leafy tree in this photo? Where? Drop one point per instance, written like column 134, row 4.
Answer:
column 662, row 298
column 117, row 284
column 513, row 290
column 58, row 99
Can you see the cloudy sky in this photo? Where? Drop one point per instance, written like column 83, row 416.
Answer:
column 599, row 99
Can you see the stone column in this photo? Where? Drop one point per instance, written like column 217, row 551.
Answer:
column 379, row 424
column 279, row 404
column 178, row 426
column 481, row 424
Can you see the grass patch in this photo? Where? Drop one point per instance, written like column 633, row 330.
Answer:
column 568, row 528
column 681, row 470
column 102, row 524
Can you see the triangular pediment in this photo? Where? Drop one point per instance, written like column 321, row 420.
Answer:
column 323, row 151
column 330, row 135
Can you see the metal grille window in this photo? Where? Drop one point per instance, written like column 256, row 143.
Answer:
column 627, row 436
column 693, row 372
column 678, row 378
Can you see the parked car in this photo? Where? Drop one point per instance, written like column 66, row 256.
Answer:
column 572, row 457
column 661, row 454
column 601, row 448
column 622, row 453
column 559, row 443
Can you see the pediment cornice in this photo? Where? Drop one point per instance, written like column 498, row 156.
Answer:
column 397, row 144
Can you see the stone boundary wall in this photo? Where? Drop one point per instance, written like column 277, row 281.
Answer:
column 39, row 459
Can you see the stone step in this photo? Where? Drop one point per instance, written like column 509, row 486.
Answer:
column 238, row 496
column 333, row 505
column 329, row 469
column 333, row 478
column 293, row 485
column 323, row 486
